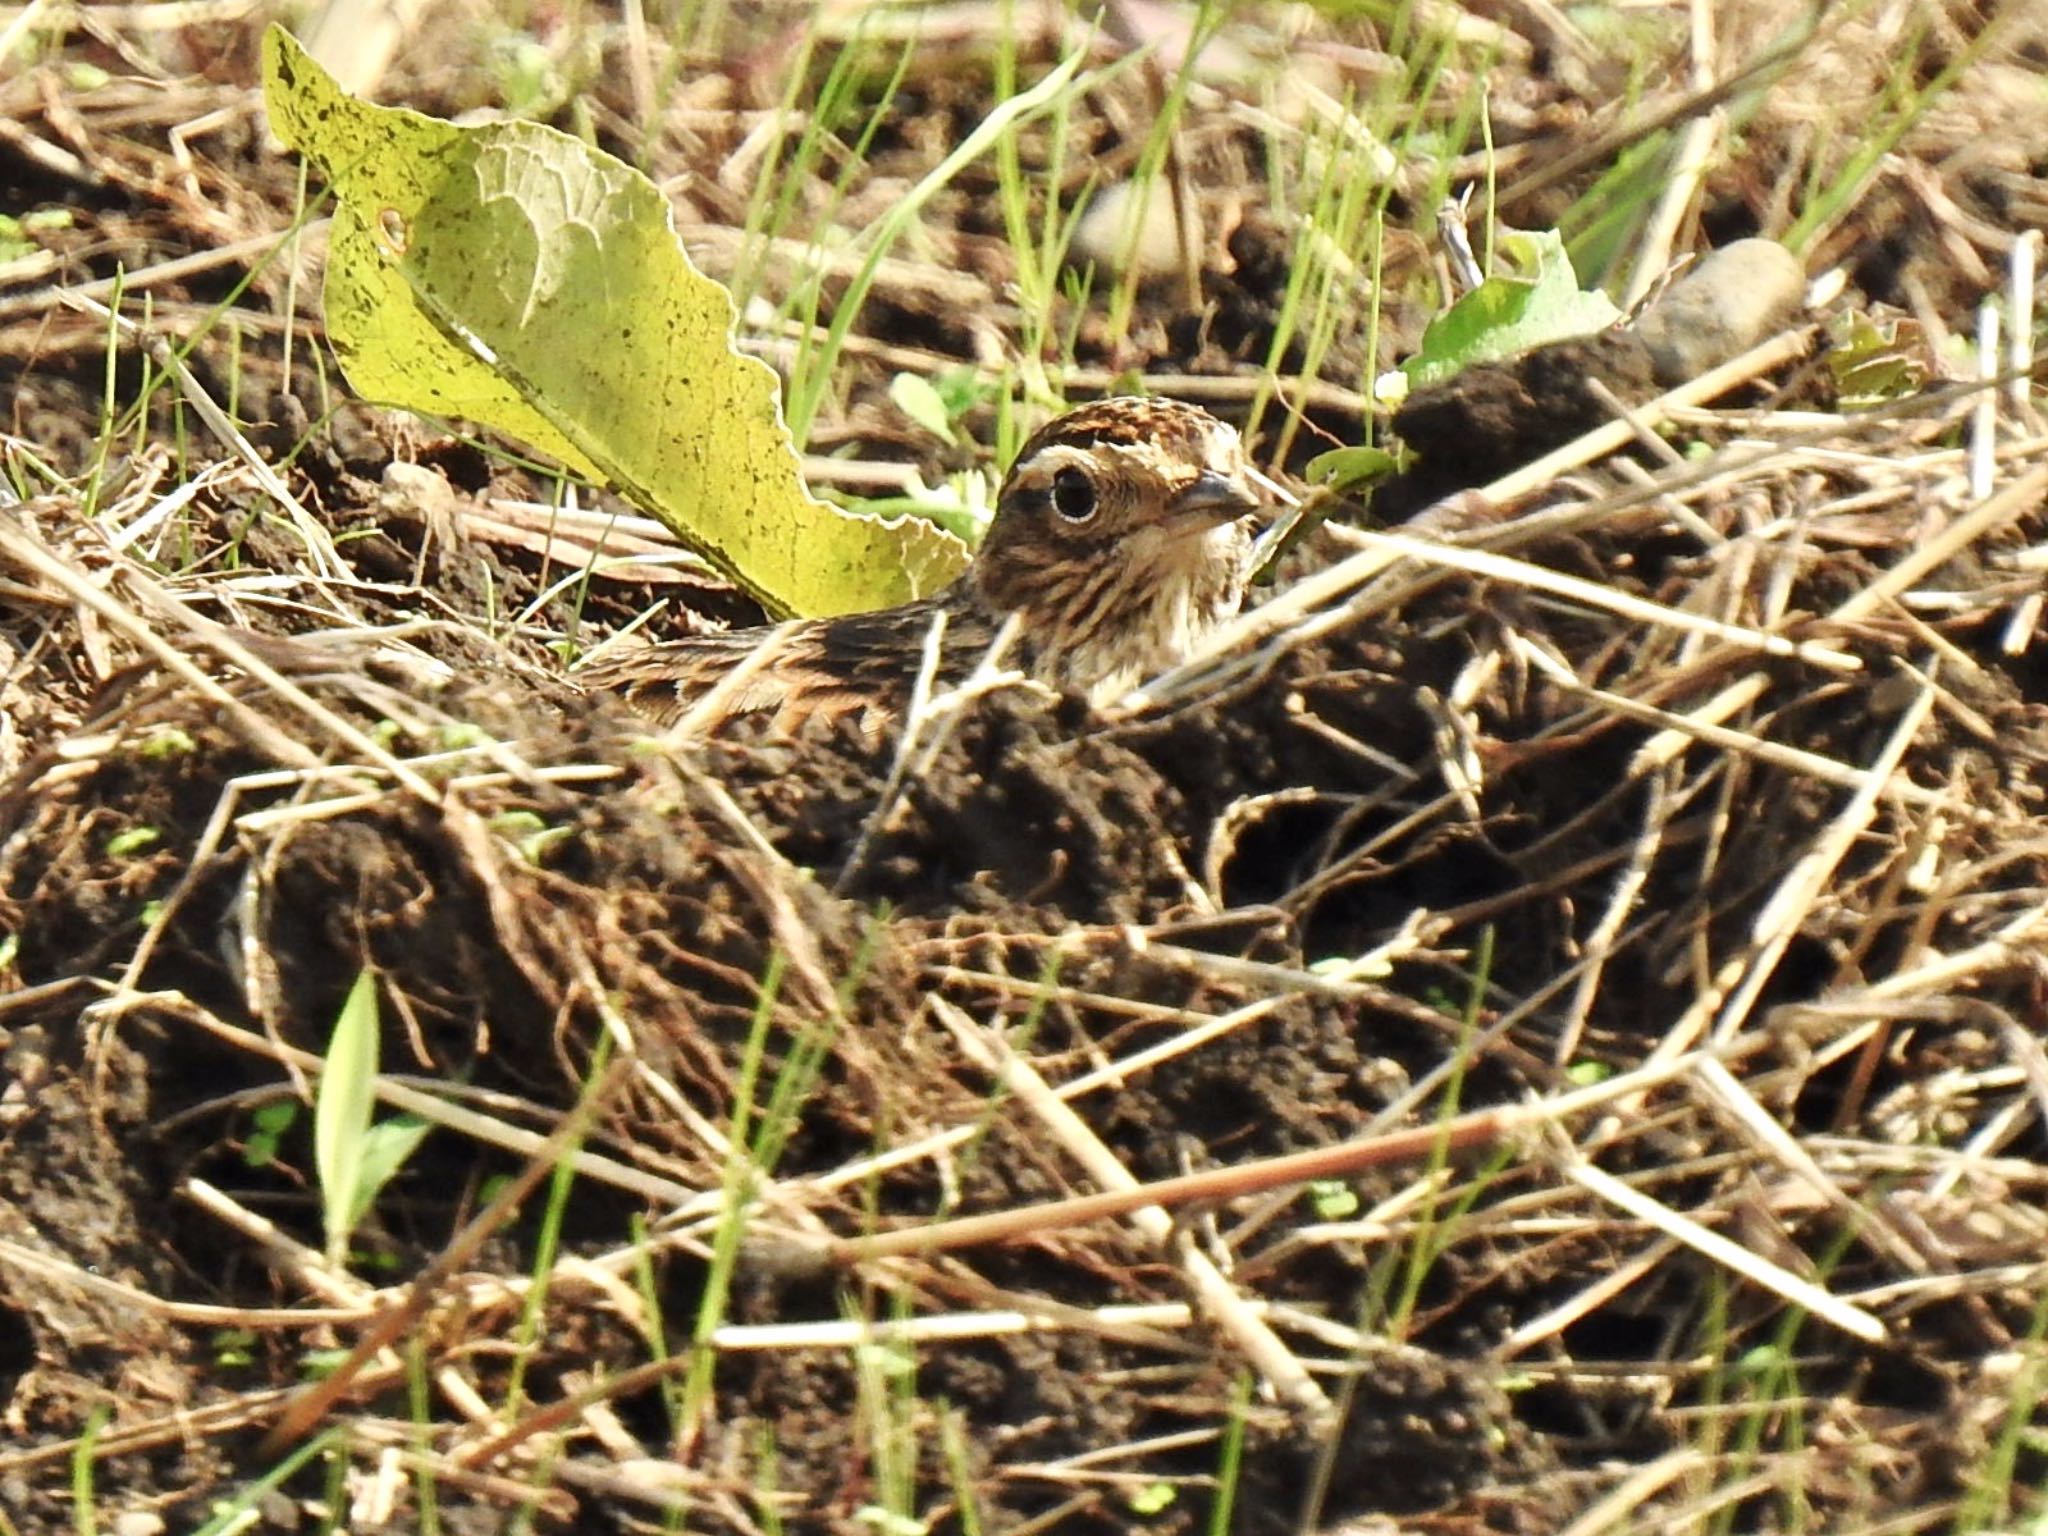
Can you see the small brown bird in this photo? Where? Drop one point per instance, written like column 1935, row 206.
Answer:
column 1119, row 540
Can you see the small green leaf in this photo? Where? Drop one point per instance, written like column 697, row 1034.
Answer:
column 341, row 1113
column 1874, row 361
column 915, row 398
column 1153, row 1499
column 535, row 849
column 167, row 741
column 267, row 1130
column 1343, row 468
column 1507, row 315
column 14, row 242
column 510, row 274
column 963, row 503
column 1333, row 1199
column 319, row 1364
column 526, row 831
column 1366, row 967
column 887, row 1523
column 126, row 844
column 463, row 736
column 1762, row 1360
column 386, row 1146
column 888, row 1359
column 234, row 1346
column 962, row 389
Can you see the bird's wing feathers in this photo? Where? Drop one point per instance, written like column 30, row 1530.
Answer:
column 862, row 665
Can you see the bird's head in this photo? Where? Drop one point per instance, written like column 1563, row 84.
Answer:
column 1120, row 537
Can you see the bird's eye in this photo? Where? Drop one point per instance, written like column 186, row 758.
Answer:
column 1073, row 495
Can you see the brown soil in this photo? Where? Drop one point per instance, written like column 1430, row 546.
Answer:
column 193, row 879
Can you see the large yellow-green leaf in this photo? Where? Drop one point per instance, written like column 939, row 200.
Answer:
column 514, row 276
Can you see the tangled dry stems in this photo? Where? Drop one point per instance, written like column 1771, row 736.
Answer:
column 1633, row 890
column 1795, row 913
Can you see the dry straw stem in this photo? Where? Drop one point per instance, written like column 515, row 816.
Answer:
column 22, row 551
column 1283, row 1373
column 328, row 564
column 2024, row 495
column 353, row 1299
column 1621, row 1507
column 304, row 1410
column 402, row 1096
column 192, row 1314
column 1617, row 1281
column 1478, row 1128
column 571, row 1408
column 1152, row 1324
column 232, row 253
column 1739, row 981
column 1196, row 1030
column 1698, row 726
column 1751, row 1120
column 1729, row 1255
column 1316, row 605
column 928, row 725
column 1476, row 562
column 186, row 1427
column 1897, row 862
column 401, row 1454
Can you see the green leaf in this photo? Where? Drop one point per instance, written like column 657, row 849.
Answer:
column 16, row 234
column 512, row 275
column 1333, row 1200
column 526, row 831
column 134, row 840
column 1875, row 361
column 167, row 741
column 1343, row 468
column 1507, row 315
column 386, row 1146
column 915, row 397
column 885, row 1522
column 1153, row 1499
column 341, row 1114
column 234, row 1346
column 267, row 1127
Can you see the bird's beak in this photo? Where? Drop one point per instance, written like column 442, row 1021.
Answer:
column 1213, row 499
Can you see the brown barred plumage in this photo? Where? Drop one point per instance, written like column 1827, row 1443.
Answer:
column 1120, row 538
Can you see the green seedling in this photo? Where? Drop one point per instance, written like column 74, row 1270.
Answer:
column 353, row 1157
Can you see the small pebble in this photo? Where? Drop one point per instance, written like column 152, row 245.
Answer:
column 1104, row 233
column 1731, row 300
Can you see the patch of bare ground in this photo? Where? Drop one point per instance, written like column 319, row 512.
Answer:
column 1539, row 1031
